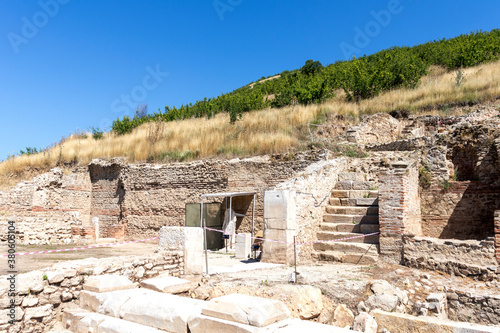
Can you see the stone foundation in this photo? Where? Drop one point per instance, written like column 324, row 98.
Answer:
column 474, row 259
column 41, row 293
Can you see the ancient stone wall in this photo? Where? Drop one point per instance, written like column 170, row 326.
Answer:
column 459, row 209
column 471, row 258
column 107, row 194
column 156, row 195
column 312, row 188
column 40, row 293
column 46, row 209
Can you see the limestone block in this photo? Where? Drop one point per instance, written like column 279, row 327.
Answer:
column 249, row 310
column 146, row 307
column 186, row 239
column 167, row 284
column 206, row 324
column 243, row 246
column 279, row 209
column 278, row 252
column 83, row 322
column 306, row 301
column 55, row 277
column 342, row 316
column 104, row 283
column 365, row 323
column 38, row 312
column 403, row 323
column 297, row 325
column 6, row 315
column 29, row 301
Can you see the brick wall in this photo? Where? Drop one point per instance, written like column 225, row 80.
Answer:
column 399, row 210
column 464, row 211
column 46, row 208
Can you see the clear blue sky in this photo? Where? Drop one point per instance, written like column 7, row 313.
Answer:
column 73, row 64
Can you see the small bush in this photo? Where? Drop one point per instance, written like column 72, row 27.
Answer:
column 97, row 134
column 424, row 179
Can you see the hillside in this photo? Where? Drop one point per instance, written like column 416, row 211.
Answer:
column 273, row 126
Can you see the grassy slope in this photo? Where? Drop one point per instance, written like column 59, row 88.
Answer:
column 258, row 132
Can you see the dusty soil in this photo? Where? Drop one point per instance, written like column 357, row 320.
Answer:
column 26, row 263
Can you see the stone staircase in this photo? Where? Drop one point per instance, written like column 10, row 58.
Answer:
column 352, row 211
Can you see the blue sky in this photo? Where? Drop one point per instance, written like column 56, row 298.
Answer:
column 73, row 64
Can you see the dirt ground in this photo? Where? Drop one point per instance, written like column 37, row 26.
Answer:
column 26, row 263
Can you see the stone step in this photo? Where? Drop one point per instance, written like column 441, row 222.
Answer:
column 352, row 210
column 84, row 321
column 347, row 258
column 348, row 218
column 355, row 185
column 354, row 194
column 166, row 312
column 333, row 235
column 371, row 249
column 350, row 227
column 353, row 201
column 351, row 176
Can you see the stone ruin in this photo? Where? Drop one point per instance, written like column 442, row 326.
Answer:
column 430, row 188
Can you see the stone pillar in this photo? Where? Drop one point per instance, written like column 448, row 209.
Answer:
column 243, row 245
column 189, row 240
column 497, row 235
column 279, row 225
column 399, row 210
column 95, row 222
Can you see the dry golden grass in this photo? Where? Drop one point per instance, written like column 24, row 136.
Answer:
column 259, row 132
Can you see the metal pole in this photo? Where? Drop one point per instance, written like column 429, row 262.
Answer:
column 295, row 258
column 203, row 225
column 230, row 219
column 253, row 226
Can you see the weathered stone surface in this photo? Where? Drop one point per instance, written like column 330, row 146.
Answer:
column 167, row 284
column 188, row 240
column 403, row 323
column 82, row 321
column 146, row 307
column 206, row 324
column 38, row 312
column 6, row 315
column 380, row 128
column 104, row 283
column 243, row 246
column 386, row 297
column 55, row 277
column 29, row 301
column 305, row 301
column 249, row 310
column 302, row 326
column 342, row 316
column 365, row 323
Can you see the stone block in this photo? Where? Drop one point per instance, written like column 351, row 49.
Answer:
column 279, row 205
column 82, row 321
column 206, row 324
column 297, row 325
column 167, row 284
column 248, row 310
column 280, row 252
column 188, row 240
column 105, row 283
column 146, row 307
column 243, row 246
column 403, row 323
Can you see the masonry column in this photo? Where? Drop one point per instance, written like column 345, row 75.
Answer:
column 279, row 225
column 399, row 210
